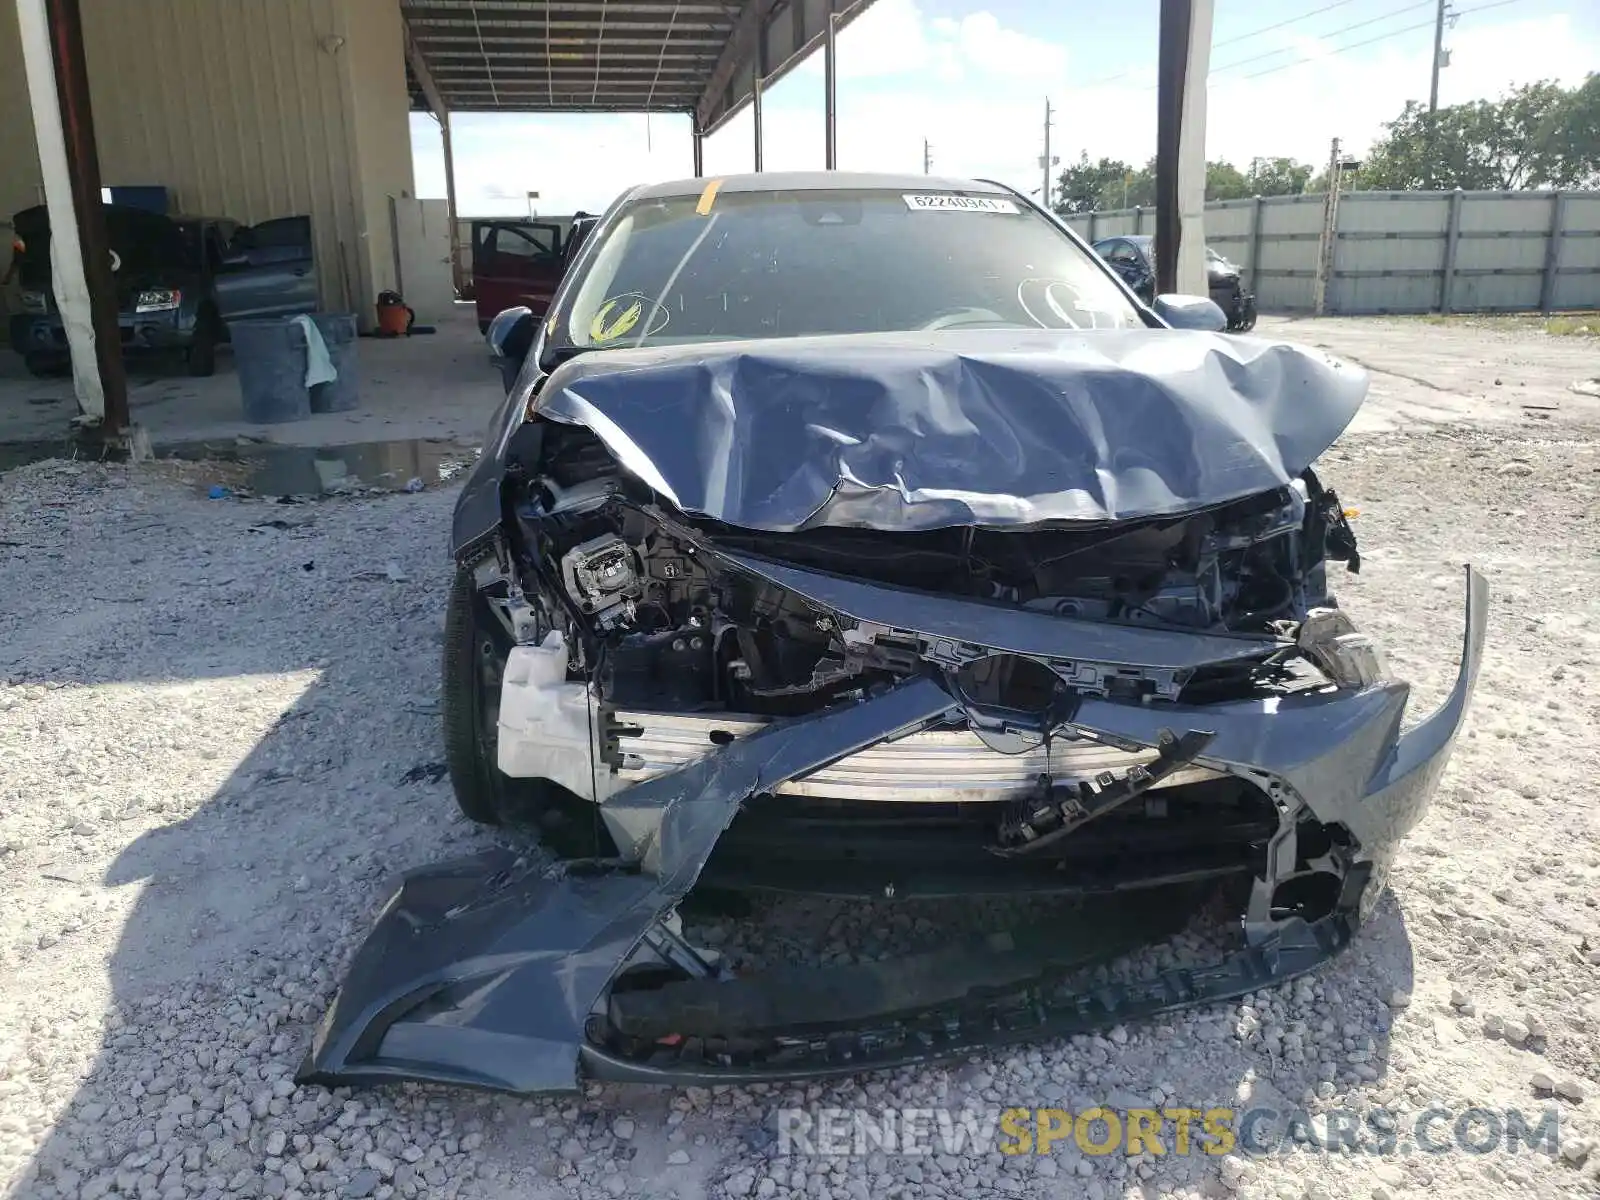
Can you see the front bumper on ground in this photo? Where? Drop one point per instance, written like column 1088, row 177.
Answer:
column 493, row 972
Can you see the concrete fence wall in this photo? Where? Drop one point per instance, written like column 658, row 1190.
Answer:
column 1404, row 252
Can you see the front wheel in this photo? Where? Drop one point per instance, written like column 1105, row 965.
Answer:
column 470, row 702
column 475, row 648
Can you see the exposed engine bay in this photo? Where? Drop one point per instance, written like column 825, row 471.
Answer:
column 670, row 624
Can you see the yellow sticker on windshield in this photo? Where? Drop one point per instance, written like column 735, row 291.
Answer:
column 615, row 318
column 708, row 197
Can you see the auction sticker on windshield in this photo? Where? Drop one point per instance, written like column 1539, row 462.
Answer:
column 988, row 204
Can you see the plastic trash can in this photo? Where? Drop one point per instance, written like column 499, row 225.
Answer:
column 270, row 356
column 338, row 332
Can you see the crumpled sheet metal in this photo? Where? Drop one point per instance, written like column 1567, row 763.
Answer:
column 484, row 971
column 988, row 427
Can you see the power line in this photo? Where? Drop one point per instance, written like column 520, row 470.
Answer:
column 1381, row 37
column 1245, row 37
column 1331, row 33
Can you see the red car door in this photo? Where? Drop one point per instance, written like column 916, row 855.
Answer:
column 515, row 262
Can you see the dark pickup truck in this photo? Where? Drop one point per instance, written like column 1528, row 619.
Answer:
column 178, row 280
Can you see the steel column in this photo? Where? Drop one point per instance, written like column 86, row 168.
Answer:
column 1184, row 56
column 81, row 270
column 830, row 94
column 755, row 112
column 699, row 140
column 1452, row 239
column 1257, row 214
column 456, row 275
column 1552, row 252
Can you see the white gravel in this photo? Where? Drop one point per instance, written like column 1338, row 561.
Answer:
column 205, row 724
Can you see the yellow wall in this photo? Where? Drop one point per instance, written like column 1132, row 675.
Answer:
column 380, row 107
column 19, row 160
column 249, row 109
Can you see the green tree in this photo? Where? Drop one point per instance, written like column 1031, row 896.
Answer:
column 1083, row 185
column 1224, row 181
column 1276, row 177
column 1141, row 189
column 1572, row 137
column 1525, row 139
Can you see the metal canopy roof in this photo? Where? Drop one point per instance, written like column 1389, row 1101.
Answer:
column 608, row 55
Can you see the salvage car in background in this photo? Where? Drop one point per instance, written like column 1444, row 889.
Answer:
column 1132, row 256
column 178, row 281
column 520, row 263
column 863, row 535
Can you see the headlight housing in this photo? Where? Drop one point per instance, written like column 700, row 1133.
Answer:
column 1348, row 657
column 35, row 302
column 157, row 300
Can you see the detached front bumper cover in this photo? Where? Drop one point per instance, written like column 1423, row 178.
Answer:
column 494, row 971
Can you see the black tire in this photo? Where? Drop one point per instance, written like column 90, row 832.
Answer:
column 469, row 735
column 44, row 366
column 201, row 358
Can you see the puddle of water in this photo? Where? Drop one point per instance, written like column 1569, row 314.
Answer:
column 393, row 466
column 265, row 469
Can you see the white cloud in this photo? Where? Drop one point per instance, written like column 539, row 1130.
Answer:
column 894, row 38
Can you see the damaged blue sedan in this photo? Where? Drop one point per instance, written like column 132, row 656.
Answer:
column 865, row 535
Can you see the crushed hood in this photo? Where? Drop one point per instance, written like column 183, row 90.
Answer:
column 973, row 427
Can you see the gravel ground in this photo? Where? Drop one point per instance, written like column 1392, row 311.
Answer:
column 209, row 721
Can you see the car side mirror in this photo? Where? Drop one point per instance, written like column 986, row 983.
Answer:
column 1190, row 312
column 510, row 337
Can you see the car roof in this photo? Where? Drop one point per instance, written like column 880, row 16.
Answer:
column 817, row 181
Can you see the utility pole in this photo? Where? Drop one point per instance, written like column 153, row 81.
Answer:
column 1045, row 162
column 1330, row 218
column 927, row 157
column 1433, row 93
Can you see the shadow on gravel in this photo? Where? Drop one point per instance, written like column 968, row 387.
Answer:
column 251, row 904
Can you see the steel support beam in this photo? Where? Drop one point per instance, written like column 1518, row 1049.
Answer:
column 738, row 50
column 830, row 86
column 755, row 112
column 699, row 140
column 80, row 250
column 1184, row 59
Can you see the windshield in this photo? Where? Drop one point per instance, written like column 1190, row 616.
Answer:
column 790, row 264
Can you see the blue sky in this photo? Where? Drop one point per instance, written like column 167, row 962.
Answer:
column 971, row 76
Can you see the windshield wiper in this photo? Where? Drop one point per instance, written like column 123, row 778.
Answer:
column 553, row 358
